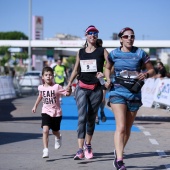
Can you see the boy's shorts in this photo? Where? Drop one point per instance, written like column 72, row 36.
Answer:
column 52, row 122
column 132, row 105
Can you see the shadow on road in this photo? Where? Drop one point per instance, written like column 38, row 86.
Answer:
column 6, row 108
column 10, row 137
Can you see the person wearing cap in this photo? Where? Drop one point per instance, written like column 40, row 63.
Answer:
column 127, row 61
column 88, row 93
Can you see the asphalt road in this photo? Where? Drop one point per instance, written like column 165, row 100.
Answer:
column 21, row 141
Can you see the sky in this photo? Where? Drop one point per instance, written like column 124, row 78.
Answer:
column 150, row 19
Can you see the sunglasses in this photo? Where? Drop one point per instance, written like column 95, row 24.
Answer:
column 132, row 36
column 93, row 33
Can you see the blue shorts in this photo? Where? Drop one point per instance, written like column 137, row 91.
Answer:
column 132, row 105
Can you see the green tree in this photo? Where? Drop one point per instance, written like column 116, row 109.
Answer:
column 3, row 50
column 70, row 61
column 13, row 35
column 5, row 55
column 23, row 55
column 5, row 58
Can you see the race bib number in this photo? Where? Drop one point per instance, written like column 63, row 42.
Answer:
column 88, row 65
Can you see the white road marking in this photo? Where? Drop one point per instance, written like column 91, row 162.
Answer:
column 147, row 133
column 140, row 127
column 154, row 142
column 161, row 153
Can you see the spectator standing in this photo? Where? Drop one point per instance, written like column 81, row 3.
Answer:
column 60, row 74
column 160, row 70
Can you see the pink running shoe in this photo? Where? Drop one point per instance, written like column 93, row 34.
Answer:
column 88, row 151
column 79, row 155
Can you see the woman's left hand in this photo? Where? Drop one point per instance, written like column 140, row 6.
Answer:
column 68, row 86
column 69, row 91
column 108, row 84
column 141, row 76
column 99, row 75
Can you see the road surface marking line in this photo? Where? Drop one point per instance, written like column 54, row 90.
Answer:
column 154, row 142
column 140, row 127
column 147, row 133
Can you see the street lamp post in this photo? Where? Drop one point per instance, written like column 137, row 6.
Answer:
column 29, row 30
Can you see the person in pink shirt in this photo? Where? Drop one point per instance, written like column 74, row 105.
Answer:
column 50, row 93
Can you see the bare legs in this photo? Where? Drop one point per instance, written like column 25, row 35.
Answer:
column 130, row 117
column 124, row 120
column 46, row 135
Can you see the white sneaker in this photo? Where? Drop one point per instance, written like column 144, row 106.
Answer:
column 58, row 142
column 45, row 153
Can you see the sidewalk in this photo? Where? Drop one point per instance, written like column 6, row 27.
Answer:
column 153, row 113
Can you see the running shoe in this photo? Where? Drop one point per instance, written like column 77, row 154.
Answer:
column 45, row 153
column 103, row 117
column 79, row 155
column 58, row 142
column 119, row 165
column 88, row 151
column 97, row 121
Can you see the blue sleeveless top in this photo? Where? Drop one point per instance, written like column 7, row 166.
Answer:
column 130, row 61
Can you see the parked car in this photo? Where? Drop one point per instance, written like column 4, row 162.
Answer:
column 30, row 81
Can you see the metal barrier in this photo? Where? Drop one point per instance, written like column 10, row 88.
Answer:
column 7, row 90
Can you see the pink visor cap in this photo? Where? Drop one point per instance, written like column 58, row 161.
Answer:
column 123, row 30
column 91, row 28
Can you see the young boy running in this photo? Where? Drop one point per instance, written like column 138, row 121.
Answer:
column 50, row 93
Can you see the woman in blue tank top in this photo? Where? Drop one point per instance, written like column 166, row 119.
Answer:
column 128, row 62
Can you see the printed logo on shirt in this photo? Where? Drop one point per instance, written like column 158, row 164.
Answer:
column 49, row 97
